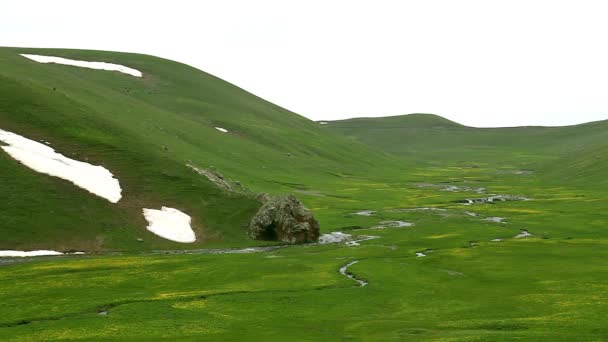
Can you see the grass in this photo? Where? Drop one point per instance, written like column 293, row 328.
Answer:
column 145, row 131
column 431, row 140
column 551, row 286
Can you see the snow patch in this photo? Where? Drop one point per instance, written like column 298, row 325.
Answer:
column 393, row 224
column 492, row 199
column 361, row 239
column 23, row 254
column 221, row 129
column 170, row 224
column 420, row 255
column 523, row 234
column 338, row 237
column 334, row 237
column 323, row 123
column 365, row 213
column 41, row 158
column 495, row 219
column 85, row 64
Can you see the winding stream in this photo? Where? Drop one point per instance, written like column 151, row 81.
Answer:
column 344, row 271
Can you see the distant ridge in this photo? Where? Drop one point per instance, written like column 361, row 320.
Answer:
column 574, row 153
column 425, row 120
column 415, row 120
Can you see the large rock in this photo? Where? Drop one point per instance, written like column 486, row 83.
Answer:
column 284, row 219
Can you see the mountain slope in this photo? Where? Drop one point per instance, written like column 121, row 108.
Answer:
column 145, row 131
column 398, row 122
column 428, row 140
column 584, row 166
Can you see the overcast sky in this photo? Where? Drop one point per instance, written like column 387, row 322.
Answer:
column 481, row 63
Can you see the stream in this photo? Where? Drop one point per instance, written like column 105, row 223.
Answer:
column 344, row 271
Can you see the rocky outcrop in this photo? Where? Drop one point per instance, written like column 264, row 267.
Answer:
column 218, row 179
column 284, row 219
column 213, row 176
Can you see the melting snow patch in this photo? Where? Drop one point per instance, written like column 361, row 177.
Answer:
column 492, row 199
column 337, row 237
column 22, row 254
column 361, row 239
column 496, row 240
column 334, row 237
column 41, row 158
column 365, row 213
column 523, row 234
column 420, row 255
column 495, row 219
column 393, row 224
column 170, row 224
column 323, row 123
column 85, row 64
column 221, row 129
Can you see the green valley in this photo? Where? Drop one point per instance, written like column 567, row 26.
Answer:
column 457, row 233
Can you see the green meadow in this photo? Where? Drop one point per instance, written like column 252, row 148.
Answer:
column 456, row 274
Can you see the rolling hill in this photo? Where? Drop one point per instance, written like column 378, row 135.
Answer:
column 574, row 153
column 146, row 131
column 449, row 233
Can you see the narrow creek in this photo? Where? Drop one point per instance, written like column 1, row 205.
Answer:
column 344, row 271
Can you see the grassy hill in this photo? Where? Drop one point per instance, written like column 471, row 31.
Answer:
column 410, row 121
column 572, row 152
column 145, row 130
column 584, row 165
column 457, row 271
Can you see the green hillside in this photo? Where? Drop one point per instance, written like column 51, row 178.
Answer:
column 410, row 121
column 583, row 165
column 145, row 130
column 456, row 233
column 572, row 152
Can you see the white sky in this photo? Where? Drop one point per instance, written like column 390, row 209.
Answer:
column 481, row 63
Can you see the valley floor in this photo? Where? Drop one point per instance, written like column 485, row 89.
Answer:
column 460, row 272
